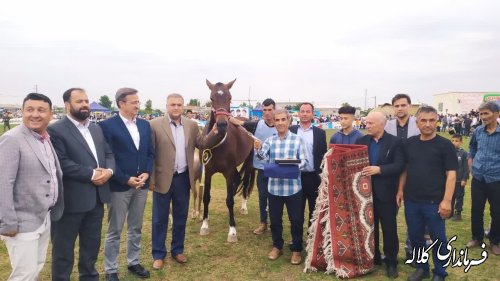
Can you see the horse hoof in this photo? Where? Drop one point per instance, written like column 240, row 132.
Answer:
column 204, row 231
column 232, row 238
column 244, row 211
column 195, row 215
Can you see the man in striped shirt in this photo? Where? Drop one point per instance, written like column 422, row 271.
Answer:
column 284, row 191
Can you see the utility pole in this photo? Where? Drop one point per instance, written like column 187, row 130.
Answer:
column 249, row 91
column 36, row 88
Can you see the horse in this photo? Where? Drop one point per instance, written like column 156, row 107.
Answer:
column 197, row 192
column 225, row 147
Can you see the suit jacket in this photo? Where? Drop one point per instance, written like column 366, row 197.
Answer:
column 319, row 145
column 164, row 144
column 78, row 163
column 130, row 161
column 391, row 162
column 391, row 127
column 25, row 183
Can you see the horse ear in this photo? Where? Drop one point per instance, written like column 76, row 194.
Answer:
column 210, row 85
column 230, row 84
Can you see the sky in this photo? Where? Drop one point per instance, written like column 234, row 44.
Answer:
column 325, row 52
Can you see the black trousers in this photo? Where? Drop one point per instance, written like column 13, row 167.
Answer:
column 457, row 202
column 480, row 192
column 296, row 217
column 310, row 184
column 87, row 227
column 385, row 214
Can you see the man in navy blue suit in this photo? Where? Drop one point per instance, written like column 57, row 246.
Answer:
column 130, row 139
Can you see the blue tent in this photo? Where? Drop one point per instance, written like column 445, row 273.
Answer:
column 94, row 106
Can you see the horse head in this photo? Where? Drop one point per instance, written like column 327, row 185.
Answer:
column 221, row 103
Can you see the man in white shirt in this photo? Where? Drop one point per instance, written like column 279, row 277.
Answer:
column 130, row 139
column 87, row 163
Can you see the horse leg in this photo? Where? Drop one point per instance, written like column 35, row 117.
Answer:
column 200, row 194
column 194, row 214
column 206, row 201
column 244, row 209
column 231, row 188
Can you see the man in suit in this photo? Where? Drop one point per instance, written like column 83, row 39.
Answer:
column 404, row 125
column 30, row 188
column 130, row 140
column 174, row 138
column 87, row 163
column 315, row 143
column 386, row 164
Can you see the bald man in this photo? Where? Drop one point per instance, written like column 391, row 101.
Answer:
column 386, row 164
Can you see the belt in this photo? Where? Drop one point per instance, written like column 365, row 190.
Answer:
column 179, row 174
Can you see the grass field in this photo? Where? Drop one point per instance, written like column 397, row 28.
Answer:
column 212, row 258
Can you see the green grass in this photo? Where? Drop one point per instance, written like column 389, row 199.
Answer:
column 212, row 258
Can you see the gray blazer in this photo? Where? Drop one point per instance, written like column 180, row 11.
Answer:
column 78, row 162
column 25, row 183
column 390, row 127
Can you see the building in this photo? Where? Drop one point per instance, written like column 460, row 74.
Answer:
column 459, row 102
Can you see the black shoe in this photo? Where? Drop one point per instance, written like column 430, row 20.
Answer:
column 419, row 274
column 112, row 277
column 437, row 278
column 391, row 271
column 138, row 271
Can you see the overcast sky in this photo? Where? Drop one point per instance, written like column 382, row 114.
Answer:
column 327, row 52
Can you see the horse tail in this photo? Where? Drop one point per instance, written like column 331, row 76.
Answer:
column 247, row 175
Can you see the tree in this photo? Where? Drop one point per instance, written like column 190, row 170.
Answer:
column 208, row 104
column 194, row 102
column 243, row 104
column 148, row 107
column 105, row 101
column 345, row 104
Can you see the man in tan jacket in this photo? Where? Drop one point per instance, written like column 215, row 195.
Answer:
column 175, row 138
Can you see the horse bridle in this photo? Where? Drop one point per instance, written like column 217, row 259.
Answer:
column 221, row 111
column 207, row 153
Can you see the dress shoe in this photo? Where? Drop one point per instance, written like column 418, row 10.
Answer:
column 495, row 248
column 112, row 277
column 138, row 271
column 180, row 258
column 391, row 271
column 274, row 254
column 437, row 278
column 419, row 274
column 296, row 258
column 158, row 264
column 474, row 243
column 261, row 229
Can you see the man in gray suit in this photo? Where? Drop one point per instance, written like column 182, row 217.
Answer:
column 30, row 187
column 404, row 125
column 87, row 163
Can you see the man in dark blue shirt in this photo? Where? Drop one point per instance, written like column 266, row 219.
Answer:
column 484, row 151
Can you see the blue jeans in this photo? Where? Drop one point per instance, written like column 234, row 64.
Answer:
column 178, row 194
column 418, row 216
column 293, row 205
column 263, row 195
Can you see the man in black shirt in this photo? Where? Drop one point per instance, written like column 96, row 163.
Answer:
column 427, row 187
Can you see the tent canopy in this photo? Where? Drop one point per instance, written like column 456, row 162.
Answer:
column 94, row 106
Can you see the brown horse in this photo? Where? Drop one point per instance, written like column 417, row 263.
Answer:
column 197, row 192
column 226, row 147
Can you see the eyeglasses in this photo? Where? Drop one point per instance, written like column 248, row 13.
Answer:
column 134, row 102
